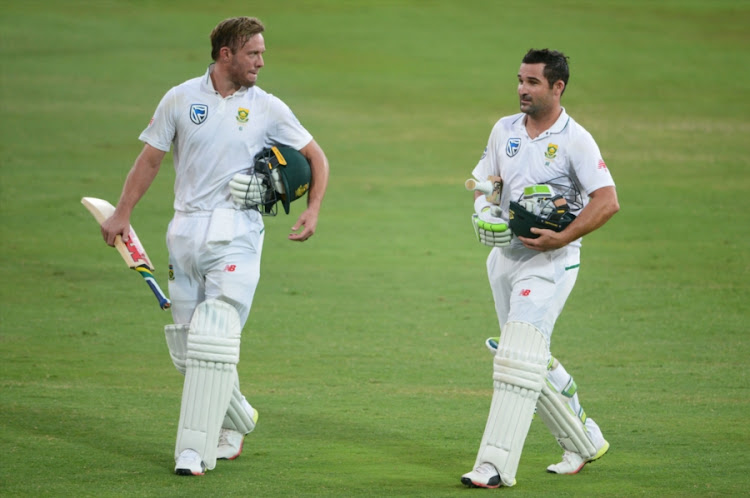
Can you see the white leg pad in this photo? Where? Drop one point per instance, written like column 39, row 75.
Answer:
column 569, row 430
column 176, row 336
column 238, row 417
column 519, row 374
column 213, row 351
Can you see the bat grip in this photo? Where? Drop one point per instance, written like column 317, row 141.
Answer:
column 164, row 302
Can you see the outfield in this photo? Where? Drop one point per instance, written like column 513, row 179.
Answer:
column 363, row 353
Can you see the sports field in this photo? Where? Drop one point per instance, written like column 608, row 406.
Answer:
column 364, row 351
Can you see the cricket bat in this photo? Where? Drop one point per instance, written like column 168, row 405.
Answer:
column 492, row 188
column 131, row 251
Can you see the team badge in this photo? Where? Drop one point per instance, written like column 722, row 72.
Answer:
column 301, row 190
column 551, row 151
column 242, row 115
column 512, row 147
column 198, row 113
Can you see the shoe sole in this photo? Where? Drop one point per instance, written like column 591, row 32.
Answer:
column 468, row 482
column 187, row 472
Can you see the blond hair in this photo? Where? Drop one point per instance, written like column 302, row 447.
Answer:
column 234, row 33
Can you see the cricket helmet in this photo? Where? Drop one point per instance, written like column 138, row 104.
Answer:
column 286, row 172
column 539, row 207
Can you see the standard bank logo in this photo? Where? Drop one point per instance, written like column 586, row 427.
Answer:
column 512, row 147
column 198, row 113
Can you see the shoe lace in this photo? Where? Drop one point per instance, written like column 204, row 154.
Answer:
column 571, row 457
column 486, row 468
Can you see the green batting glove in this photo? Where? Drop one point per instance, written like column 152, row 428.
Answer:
column 491, row 231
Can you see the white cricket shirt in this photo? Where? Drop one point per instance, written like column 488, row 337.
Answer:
column 215, row 137
column 566, row 154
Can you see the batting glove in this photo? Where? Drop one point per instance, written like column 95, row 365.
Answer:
column 250, row 191
column 490, row 228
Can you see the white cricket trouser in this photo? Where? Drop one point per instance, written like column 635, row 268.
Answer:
column 214, row 255
column 531, row 286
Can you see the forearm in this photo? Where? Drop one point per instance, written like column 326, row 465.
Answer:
column 319, row 174
column 139, row 179
column 602, row 206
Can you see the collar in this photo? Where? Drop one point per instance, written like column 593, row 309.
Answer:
column 557, row 127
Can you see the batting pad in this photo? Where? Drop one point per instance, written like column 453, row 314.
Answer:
column 213, row 350
column 520, row 367
column 239, row 416
column 176, row 336
column 567, row 428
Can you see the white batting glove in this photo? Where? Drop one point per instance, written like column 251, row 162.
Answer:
column 250, row 191
column 489, row 226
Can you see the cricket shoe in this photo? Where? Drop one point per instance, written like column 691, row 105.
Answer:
column 189, row 463
column 572, row 463
column 484, row 476
column 231, row 441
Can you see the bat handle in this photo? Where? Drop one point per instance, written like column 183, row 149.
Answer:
column 164, row 302
column 484, row 187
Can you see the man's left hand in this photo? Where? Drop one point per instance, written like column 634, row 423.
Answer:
column 547, row 240
column 307, row 221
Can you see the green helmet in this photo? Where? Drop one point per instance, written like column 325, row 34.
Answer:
column 291, row 168
column 540, row 207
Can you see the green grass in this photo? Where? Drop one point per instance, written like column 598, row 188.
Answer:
column 364, row 349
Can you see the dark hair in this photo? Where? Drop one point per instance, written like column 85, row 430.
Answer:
column 234, row 33
column 555, row 64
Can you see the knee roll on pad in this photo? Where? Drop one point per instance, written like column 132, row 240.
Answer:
column 213, row 348
column 520, row 367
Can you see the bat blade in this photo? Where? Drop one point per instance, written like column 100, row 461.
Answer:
column 132, row 251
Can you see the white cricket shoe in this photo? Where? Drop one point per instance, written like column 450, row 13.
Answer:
column 231, row 441
column 189, row 463
column 572, row 463
column 484, row 476
column 230, row 444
